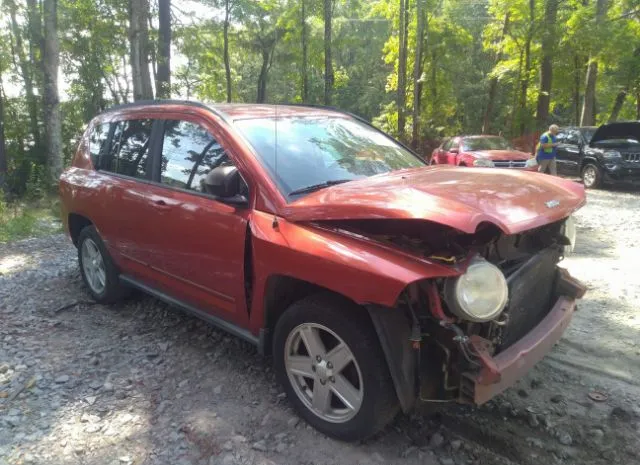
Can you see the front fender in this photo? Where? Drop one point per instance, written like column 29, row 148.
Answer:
column 361, row 271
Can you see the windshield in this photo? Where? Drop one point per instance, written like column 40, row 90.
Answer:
column 319, row 150
column 587, row 134
column 485, row 143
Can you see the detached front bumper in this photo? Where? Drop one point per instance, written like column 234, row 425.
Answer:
column 501, row 371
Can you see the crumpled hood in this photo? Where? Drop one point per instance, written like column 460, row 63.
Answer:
column 621, row 130
column 461, row 198
column 500, row 155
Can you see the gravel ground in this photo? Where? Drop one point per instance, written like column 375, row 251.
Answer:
column 142, row 383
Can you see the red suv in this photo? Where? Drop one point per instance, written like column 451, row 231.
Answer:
column 480, row 151
column 372, row 279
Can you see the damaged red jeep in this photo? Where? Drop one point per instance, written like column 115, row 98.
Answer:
column 373, row 280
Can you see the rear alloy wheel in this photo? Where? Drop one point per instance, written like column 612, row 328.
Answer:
column 99, row 273
column 591, row 176
column 329, row 360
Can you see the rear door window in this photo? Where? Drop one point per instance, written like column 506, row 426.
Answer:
column 189, row 153
column 129, row 153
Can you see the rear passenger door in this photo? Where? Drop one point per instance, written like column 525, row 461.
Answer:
column 198, row 242
column 126, row 171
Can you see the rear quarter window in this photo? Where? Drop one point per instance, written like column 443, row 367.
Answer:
column 97, row 142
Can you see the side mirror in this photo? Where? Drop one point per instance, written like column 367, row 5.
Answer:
column 454, row 150
column 224, row 182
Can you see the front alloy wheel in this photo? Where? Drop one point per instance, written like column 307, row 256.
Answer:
column 328, row 358
column 323, row 372
column 591, row 176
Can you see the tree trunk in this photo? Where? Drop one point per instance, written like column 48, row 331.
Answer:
column 328, row 64
column 52, row 118
column 617, row 106
column 638, row 106
column 163, row 79
column 576, row 89
column 546, row 67
column 588, row 117
column 493, row 82
column 139, row 41
column 417, row 73
column 227, row 65
column 25, row 69
column 434, row 74
column 36, row 41
column 513, row 117
column 262, row 78
column 305, row 78
column 589, row 111
column 524, row 80
column 403, row 24
column 3, row 148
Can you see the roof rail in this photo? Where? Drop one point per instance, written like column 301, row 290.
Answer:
column 191, row 103
column 140, row 103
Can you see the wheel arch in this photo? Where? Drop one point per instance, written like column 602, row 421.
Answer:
column 589, row 160
column 391, row 325
column 77, row 223
column 280, row 293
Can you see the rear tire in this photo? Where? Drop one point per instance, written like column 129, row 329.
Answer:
column 348, row 400
column 98, row 271
column 591, row 176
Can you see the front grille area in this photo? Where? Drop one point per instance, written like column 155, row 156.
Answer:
column 633, row 157
column 510, row 164
column 531, row 295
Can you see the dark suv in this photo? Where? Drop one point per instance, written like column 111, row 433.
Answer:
column 608, row 154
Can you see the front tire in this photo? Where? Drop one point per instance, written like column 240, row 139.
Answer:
column 98, row 271
column 329, row 360
column 591, row 176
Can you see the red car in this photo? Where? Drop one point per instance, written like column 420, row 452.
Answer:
column 482, row 151
column 372, row 279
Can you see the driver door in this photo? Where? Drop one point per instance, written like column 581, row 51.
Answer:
column 199, row 242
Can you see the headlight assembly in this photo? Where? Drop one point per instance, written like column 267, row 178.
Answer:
column 484, row 162
column 609, row 154
column 480, row 294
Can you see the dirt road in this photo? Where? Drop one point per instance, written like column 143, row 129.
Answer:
column 141, row 383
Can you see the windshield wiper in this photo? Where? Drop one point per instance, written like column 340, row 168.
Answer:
column 317, row 187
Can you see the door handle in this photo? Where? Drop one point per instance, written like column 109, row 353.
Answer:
column 161, row 205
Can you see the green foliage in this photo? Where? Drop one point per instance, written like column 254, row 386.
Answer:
column 20, row 220
column 466, row 50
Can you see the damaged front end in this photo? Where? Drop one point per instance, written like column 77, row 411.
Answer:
column 465, row 342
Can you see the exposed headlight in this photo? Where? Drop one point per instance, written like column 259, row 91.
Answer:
column 611, row 154
column 480, row 294
column 484, row 162
column 569, row 231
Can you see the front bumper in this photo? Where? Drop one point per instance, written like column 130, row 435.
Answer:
column 499, row 372
column 622, row 173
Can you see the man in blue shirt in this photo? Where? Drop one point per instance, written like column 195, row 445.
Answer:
column 546, row 151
